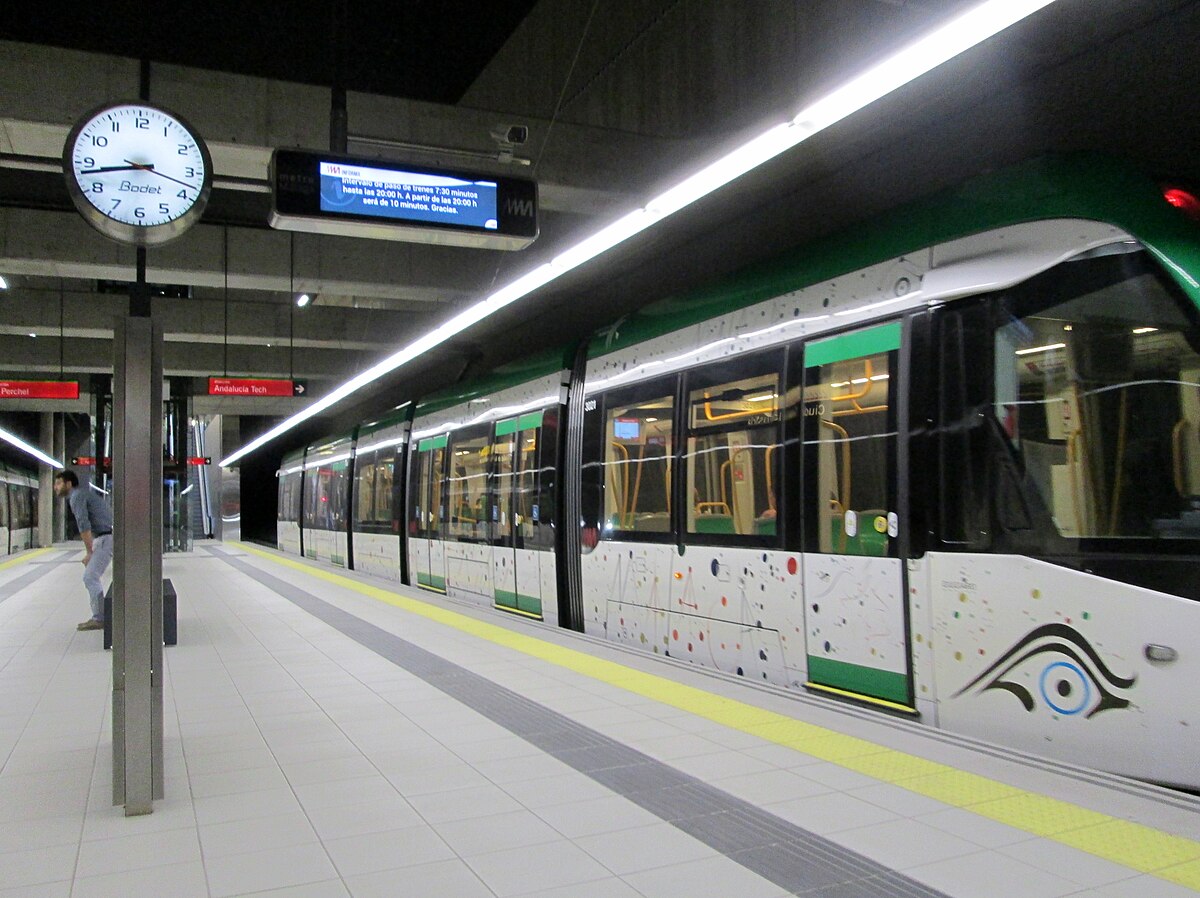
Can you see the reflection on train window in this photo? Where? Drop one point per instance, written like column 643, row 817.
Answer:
column 850, row 436
column 289, row 497
column 364, row 490
column 1098, row 392
column 637, row 468
column 373, row 488
column 384, row 480
column 516, row 503
column 468, row 481
column 733, row 451
column 427, row 509
column 325, row 496
column 525, row 498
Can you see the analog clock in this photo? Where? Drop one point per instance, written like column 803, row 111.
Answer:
column 137, row 173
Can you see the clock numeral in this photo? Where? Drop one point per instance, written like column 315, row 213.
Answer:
column 189, row 172
column 116, row 126
column 89, row 162
column 97, row 187
column 116, row 203
column 164, row 209
column 99, row 140
column 139, row 212
column 142, row 124
column 182, row 194
column 183, row 149
column 164, row 130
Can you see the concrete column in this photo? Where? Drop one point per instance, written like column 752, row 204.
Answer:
column 46, row 500
column 137, row 565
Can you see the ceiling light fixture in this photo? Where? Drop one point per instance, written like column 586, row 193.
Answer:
column 25, row 447
column 940, row 45
column 303, row 299
column 3, row 283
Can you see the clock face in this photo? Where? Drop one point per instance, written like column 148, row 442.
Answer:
column 137, row 173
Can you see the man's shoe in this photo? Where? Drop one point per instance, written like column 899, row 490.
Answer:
column 92, row 624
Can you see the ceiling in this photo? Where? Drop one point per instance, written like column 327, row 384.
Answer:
column 621, row 98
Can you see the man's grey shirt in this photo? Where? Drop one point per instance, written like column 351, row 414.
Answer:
column 90, row 510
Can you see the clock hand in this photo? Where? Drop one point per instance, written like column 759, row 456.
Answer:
column 131, row 167
column 150, row 168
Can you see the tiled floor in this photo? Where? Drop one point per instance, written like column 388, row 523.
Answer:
column 300, row 762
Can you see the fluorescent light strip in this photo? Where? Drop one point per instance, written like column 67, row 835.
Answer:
column 1049, row 347
column 940, row 45
column 25, row 447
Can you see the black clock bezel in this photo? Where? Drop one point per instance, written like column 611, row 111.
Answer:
column 123, row 232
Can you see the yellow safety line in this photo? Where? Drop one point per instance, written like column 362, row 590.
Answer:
column 23, row 557
column 1134, row 845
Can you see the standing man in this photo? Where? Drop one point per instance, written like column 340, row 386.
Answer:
column 95, row 529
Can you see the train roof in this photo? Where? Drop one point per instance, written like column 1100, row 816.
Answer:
column 1086, row 186
column 519, row 371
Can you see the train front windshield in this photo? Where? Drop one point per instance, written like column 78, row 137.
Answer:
column 1097, row 388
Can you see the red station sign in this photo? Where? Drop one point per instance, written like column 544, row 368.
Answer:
column 241, row 386
column 40, row 389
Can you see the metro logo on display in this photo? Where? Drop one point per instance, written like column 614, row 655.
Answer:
column 240, row 386
column 39, row 389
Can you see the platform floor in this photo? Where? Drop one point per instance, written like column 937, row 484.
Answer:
column 329, row 735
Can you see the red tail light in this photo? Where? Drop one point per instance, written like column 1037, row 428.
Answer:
column 1183, row 200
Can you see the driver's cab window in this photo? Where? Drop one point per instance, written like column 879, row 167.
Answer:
column 1097, row 388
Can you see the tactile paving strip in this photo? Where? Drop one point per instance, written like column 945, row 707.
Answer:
column 792, row 858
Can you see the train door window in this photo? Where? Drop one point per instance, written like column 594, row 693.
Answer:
column 639, row 450
column 313, row 497
column 4, row 504
column 1097, row 389
column 295, row 481
column 850, row 442
column 732, row 459
column 429, row 464
column 364, row 489
column 383, row 511
column 470, row 454
column 338, row 494
column 501, row 518
column 531, row 517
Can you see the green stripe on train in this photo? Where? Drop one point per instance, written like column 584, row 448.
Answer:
column 856, row 678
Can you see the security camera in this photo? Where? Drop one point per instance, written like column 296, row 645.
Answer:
column 510, row 134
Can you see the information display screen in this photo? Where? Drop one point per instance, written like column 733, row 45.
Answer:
column 407, row 195
column 329, row 194
column 626, row 428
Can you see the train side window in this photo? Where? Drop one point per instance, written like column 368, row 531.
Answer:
column 470, row 455
column 732, row 456
column 639, row 449
column 1097, row 390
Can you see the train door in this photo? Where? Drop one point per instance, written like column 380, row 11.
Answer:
column 504, row 557
column 4, row 522
column 428, row 554
column 854, row 578
column 516, row 563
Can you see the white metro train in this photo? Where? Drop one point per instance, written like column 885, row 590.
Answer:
column 947, row 466
column 18, row 511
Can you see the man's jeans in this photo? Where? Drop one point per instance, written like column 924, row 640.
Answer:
column 102, row 549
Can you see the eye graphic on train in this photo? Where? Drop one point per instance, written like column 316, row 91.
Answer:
column 1058, row 665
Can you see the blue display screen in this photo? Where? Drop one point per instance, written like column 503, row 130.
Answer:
column 626, row 428
column 407, row 196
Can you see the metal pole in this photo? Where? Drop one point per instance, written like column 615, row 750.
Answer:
column 137, row 566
